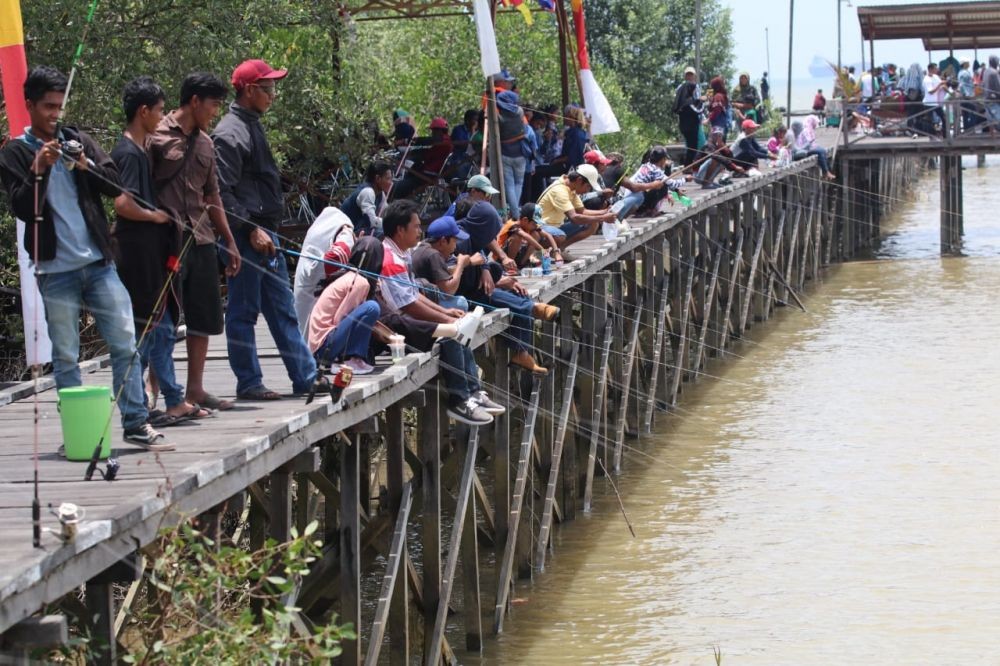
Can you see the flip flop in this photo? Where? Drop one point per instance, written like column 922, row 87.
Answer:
column 215, row 403
column 196, row 412
column 162, row 420
column 259, row 394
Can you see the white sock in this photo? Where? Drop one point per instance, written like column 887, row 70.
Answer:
column 446, row 331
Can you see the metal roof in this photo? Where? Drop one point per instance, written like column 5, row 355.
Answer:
column 961, row 43
column 959, row 22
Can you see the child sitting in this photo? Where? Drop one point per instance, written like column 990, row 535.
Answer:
column 520, row 237
column 648, row 186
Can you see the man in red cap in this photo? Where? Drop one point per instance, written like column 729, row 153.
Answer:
column 432, row 153
column 597, row 199
column 250, row 184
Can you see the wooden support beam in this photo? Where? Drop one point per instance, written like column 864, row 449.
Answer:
column 433, row 656
column 568, row 349
column 557, row 449
column 681, row 358
column 501, row 458
column 661, row 325
column 595, row 421
column 350, row 549
column 709, row 302
column 280, row 513
column 751, row 277
column 100, row 600
column 472, row 606
column 622, row 412
column 399, row 624
column 34, row 633
column 516, row 504
column 430, row 422
column 394, row 570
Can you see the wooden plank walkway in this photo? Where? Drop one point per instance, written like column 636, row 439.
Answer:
column 219, row 457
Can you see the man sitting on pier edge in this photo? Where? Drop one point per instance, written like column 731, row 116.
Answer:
column 420, row 320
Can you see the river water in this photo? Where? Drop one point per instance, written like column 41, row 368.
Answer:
column 832, row 498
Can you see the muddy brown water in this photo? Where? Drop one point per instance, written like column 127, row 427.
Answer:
column 832, row 497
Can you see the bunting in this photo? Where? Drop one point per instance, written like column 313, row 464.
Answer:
column 522, row 7
column 602, row 117
column 13, row 72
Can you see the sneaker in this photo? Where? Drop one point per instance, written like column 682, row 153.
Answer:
column 468, row 325
column 489, row 406
column 470, row 412
column 359, row 366
column 544, row 311
column 148, row 438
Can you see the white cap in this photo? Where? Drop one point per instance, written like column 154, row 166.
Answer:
column 689, row 70
column 589, row 171
column 965, row 60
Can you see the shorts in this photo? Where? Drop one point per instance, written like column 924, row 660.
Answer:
column 201, row 298
column 570, row 229
column 993, row 109
column 555, row 232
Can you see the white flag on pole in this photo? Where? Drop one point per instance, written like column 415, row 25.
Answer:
column 602, row 118
column 32, row 308
column 489, row 55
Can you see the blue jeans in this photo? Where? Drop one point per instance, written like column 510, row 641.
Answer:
column 156, row 351
column 513, row 179
column 629, row 203
column 459, row 371
column 262, row 287
column 555, row 232
column 453, row 301
column 351, row 336
column 98, row 288
column 520, row 317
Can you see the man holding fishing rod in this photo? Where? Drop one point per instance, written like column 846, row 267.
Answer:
column 55, row 177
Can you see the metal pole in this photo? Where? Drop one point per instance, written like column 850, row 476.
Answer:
column 840, row 66
column 767, row 48
column 791, row 27
column 697, row 37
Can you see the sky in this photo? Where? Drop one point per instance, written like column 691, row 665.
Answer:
column 815, row 34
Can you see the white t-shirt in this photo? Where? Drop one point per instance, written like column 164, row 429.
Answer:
column 932, row 81
column 867, row 89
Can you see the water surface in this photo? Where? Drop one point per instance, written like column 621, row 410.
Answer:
column 833, row 497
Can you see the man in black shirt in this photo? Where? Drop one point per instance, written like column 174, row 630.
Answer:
column 250, row 185
column 146, row 249
column 431, row 261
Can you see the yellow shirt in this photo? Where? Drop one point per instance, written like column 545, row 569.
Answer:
column 557, row 201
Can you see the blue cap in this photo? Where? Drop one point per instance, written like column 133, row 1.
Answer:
column 504, row 75
column 445, row 227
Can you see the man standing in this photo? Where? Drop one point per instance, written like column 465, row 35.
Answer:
column 689, row 106
column 186, row 185
column 934, row 91
column 146, row 249
column 54, row 179
column 991, row 93
column 251, row 191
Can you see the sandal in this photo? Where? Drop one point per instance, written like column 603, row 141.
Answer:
column 259, row 394
column 162, row 420
column 217, row 404
column 196, row 412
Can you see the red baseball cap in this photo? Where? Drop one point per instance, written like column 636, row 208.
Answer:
column 748, row 125
column 252, row 71
column 439, row 123
column 595, row 157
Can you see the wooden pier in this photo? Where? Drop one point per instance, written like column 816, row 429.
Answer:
column 642, row 316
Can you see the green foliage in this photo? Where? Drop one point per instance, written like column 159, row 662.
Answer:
column 202, row 614
column 648, row 43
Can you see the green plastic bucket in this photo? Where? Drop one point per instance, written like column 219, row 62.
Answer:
column 85, row 412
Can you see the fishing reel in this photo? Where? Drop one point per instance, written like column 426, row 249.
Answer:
column 341, row 380
column 109, row 473
column 71, row 151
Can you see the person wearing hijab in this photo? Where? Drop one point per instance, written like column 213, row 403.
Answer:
column 720, row 113
column 747, row 100
column 805, row 145
column 342, row 321
column 912, row 86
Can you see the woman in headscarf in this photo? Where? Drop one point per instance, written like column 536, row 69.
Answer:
column 747, row 100
column 806, row 146
column 719, row 111
column 340, row 325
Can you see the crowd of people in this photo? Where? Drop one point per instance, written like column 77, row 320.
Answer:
column 918, row 96
column 195, row 205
